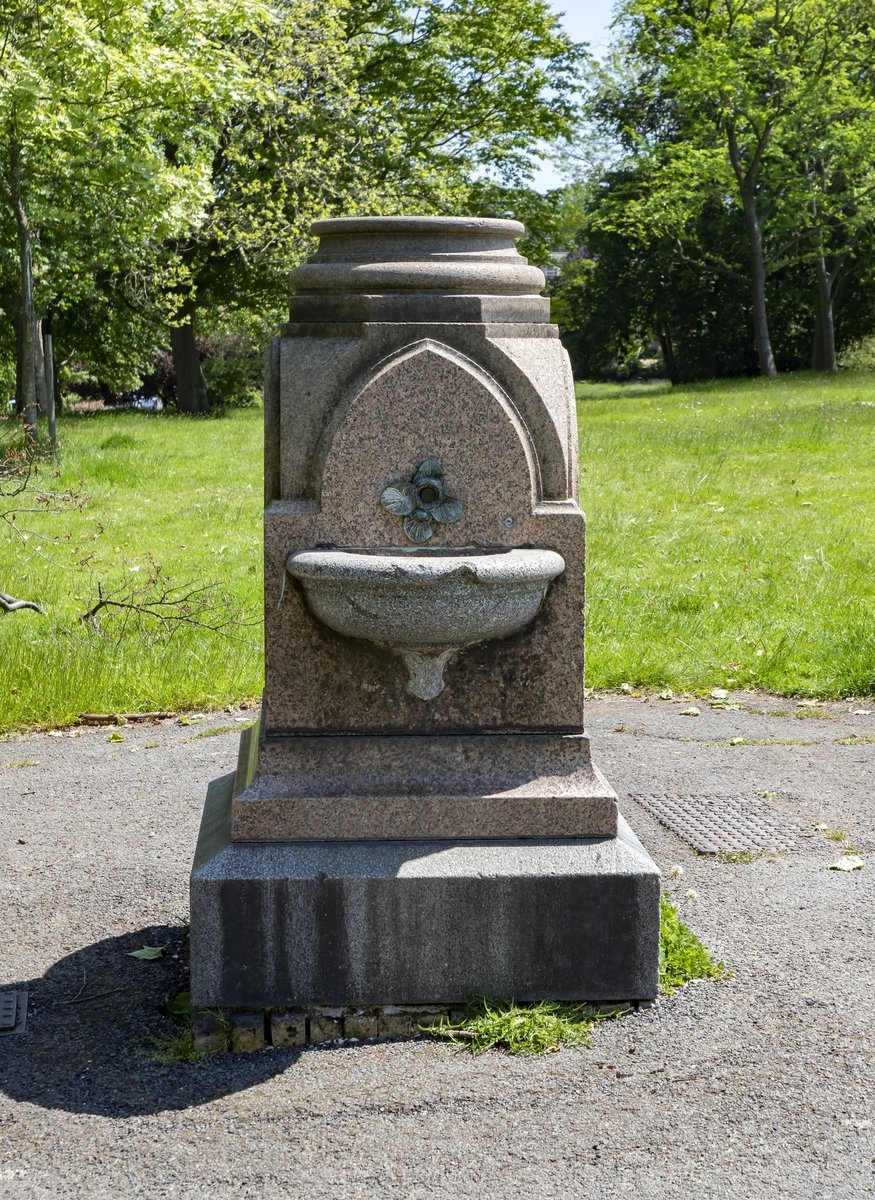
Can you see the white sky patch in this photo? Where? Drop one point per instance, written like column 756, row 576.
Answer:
column 584, row 21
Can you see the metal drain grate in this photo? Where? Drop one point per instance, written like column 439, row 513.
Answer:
column 13, row 1012
column 8, row 1009
column 713, row 823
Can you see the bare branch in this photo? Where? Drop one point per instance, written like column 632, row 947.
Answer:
column 158, row 603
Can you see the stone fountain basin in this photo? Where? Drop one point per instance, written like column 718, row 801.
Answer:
column 425, row 603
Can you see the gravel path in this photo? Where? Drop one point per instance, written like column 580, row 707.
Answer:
column 760, row 1085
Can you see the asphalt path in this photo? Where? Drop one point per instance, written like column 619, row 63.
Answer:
column 760, row 1085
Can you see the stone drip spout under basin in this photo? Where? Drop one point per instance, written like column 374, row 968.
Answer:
column 425, row 603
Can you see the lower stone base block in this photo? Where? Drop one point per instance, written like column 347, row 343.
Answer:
column 418, row 922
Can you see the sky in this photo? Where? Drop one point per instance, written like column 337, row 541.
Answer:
column 585, row 21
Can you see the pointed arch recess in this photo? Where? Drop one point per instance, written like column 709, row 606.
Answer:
column 407, row 354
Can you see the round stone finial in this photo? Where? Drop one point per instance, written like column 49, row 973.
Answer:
column 450, row 255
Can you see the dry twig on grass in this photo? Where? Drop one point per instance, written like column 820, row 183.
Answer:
column 10, row 604
column 158, row 603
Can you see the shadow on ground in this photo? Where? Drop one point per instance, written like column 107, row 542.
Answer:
column 92, row 1017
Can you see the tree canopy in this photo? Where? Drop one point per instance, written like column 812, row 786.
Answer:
column 754, row 116
column 163, row 162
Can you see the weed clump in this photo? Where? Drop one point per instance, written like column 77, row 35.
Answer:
column 523, row 1029
column 682, row 957
column 178, row 1046
column 175, row 1047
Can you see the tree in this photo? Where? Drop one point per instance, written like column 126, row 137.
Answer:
column 840, row 175
column 620, row 290
column 725, row 95
column 366, row 107
column 685, row 284
column 91, row 93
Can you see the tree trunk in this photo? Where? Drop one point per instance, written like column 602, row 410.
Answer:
column 39, row 369
column 49, row 361
column 16, row 323
column 758, row 285
column 664, row 339
column 829, row 284
column 818, row 358
column 191, row 387
column 57, row 401
column 27, row 398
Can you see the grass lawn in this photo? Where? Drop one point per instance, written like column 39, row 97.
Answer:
column 188, row 494
column 731, row 534
column 731, row 542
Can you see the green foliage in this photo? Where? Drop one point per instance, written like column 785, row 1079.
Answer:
column 859, row 355
column 468, row 85
column 522, row 1029
column 729, row 540
column 177, row 1046
column 195, row 508
column 372, row 108
column 688, row 291
column 109, row 115
column 178, row 1006
column 764, row 114
column 172, row 157
column 234, row 369
column 682, row 957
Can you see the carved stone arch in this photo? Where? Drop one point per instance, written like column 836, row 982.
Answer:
column 427, row 400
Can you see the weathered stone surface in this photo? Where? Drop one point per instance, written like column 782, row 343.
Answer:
column 451, row 255
column 361, row 1025
column 318, row 681
column 247, row 1032
column 376, row 788
column 288, row 1029
column 345, row 431
column 210, row 1034
column 320, row 369
column 421, row 601
column 397, row 841
column 347, row 314
column 419, row 922
column 397, row 1025
column 325, row 1029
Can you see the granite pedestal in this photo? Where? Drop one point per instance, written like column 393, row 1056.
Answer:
column 419, row 816
column 418, row 922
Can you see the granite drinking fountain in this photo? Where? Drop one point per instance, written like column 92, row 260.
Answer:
column 418, row 816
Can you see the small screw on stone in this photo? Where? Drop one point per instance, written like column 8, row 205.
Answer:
column 509, row 522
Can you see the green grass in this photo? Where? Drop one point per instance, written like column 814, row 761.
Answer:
column 682, row 957
column 730, row 543
column 521, row 1029
column 731, row 534
column 186, row 492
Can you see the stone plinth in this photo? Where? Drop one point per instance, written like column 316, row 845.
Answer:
column 418, row 921
column 420, row 815
column 378, row 788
